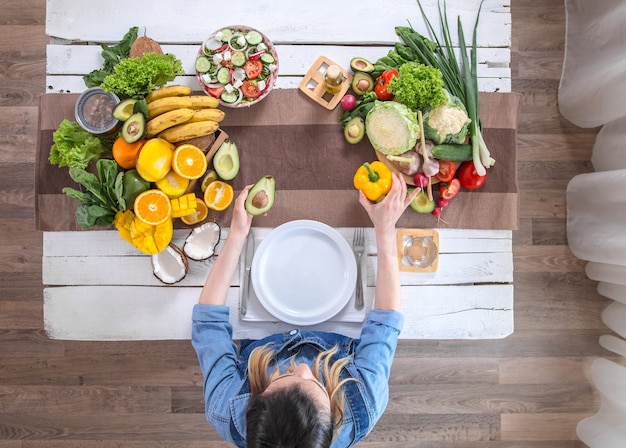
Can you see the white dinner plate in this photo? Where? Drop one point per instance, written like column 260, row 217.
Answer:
column 304, row 272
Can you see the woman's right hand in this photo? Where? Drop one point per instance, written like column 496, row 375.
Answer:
column 385, row 214
column 241, row 220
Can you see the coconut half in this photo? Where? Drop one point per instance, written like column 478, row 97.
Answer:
column 170, row 265
column 200, row 244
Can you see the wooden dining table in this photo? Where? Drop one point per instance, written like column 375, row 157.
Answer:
column 98, row 287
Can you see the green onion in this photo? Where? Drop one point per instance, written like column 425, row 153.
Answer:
column 460, row 83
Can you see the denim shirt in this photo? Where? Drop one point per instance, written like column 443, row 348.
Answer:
column 227, row 389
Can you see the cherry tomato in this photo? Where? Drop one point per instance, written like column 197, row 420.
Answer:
column 382, row 82
column 250, row 90
column 215, row 92
column 449, row 190
column 469, row 178
column 253, row 68
column 447, row 168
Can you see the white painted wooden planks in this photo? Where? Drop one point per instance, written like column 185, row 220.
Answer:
column 116, row 313
column 325, row 21
column 369, row 33
column 106, row 290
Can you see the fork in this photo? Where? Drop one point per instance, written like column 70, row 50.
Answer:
column 358, row 246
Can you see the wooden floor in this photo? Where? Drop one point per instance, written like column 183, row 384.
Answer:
column 526, row 391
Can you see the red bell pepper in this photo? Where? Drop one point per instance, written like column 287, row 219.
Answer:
column 382, row 82
column 450, row 189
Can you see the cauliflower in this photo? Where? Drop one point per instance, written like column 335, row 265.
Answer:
column 447, row 123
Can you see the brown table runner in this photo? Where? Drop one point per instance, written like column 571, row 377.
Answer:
column 301, row 144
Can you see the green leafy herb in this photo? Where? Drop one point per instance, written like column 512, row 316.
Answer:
column 418, row 86
column 103, row 197
column 139, row 76
column 74, row 147
column 111, row 55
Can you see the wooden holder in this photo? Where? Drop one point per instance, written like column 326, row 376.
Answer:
column 403, row 263
column 313, row 84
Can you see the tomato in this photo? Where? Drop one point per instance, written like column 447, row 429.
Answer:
column 469, row 178
column 382, row 82
column 447, row 168
column 250, row 89
column 450, row 189
column 215, row 92
column 253, row 68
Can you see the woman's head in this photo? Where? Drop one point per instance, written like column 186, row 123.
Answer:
column 294, row 408
column 291, row 412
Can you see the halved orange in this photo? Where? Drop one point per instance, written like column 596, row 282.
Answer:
column 189, row 161
column 201, row 213
column 153, row 207
column 218, row 195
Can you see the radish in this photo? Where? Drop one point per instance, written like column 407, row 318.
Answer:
column 348, row 102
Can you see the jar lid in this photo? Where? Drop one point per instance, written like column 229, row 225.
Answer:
column 94, row 110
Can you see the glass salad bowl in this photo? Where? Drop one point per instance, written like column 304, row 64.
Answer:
column 237, row 65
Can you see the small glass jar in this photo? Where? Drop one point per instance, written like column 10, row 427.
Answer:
column 94, row 111
column 418, row 251
column 333, row 78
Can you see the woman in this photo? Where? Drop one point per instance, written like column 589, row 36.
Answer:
column 304, row 389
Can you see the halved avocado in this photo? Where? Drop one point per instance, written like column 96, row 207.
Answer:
column 226, row 160
column 260, row 198
column 421, row 203
column 125, row 109
column 134, row 128
column 359, row 64
column 362, row 83
column 354, row 130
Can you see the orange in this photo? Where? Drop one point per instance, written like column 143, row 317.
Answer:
column 218, row 195
column 189, row 161
column 153, row 207
column 173, row 185
column 125, row 154
column 201, row 213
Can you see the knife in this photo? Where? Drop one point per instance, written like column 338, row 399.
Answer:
column 246, row 274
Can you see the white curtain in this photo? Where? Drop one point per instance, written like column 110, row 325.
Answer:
column 592, row 93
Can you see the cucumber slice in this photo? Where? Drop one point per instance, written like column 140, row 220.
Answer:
column 267, row 58
column 226, row 34
column 254, row 37
column 230, row 97
column 238, row 59
column 203, row 64
column 223, row 75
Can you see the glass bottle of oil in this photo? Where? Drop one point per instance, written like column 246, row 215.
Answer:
column 333, row 78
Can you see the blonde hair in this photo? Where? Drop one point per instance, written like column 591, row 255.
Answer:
column 262, row 358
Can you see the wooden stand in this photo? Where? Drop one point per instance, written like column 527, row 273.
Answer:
column 417, row 251
column 313, row 84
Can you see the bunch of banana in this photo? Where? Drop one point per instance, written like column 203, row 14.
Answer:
column 175, row 114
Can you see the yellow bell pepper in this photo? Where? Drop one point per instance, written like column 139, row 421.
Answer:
column 374, row 179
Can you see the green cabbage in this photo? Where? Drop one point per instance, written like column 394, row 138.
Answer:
column 74, row 147
column 447, row 123
column 391, row 127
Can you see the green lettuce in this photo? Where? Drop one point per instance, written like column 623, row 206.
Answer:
column 418, row 86
column 74, row 147
column 392, row 128
column 139, row 76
